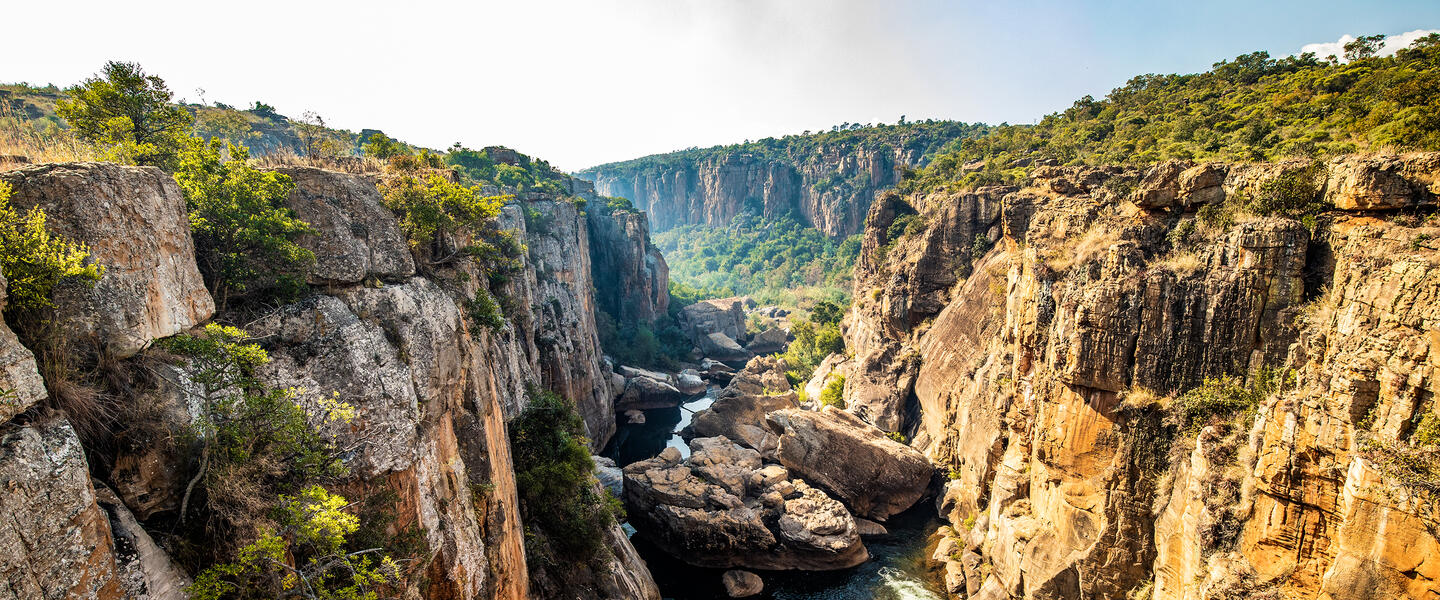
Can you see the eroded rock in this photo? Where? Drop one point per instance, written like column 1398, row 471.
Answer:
column 873, row 475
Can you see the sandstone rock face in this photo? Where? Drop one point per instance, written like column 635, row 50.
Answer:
column 18, row 374
column 725, row 316
column 724, row 508
column 715, row 190
column 1036, row 373
column 874, row 476
column 632, row 281
column 134, row 221
column 355, row 235
column 55, row 541
column 738, row 412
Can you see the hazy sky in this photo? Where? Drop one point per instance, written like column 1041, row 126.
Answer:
column 580, row 82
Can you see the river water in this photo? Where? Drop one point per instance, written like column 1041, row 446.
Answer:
column 897, row 569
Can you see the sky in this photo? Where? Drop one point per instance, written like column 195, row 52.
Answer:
column 582, row 82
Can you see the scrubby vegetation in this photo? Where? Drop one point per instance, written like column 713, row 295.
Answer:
column 246, row 240
column 775, row 261
column 1252, row 108
column 1223, row 398
column 815, row 338
column 505, row 169
column 34, row 260
column 130, row 112
column 833, row 393
column 565, row 511
column 1412, row 462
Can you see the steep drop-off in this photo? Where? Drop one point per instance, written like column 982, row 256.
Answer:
column 1061, row 349
column 432, row 390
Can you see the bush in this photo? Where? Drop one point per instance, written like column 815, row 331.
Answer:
column 34, row 261
column 484, row 312
column 1294, row 194
column 811, row 345
column 834, row 392
column 553, row 472
column 130, row 111
column 383, row 147
column 433, row 210
column 1223, row 398
column 312, row 536
column 246, row 241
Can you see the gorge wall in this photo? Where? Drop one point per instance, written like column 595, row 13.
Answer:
column 829, row 180
column 432, row 389
column 1039, row 341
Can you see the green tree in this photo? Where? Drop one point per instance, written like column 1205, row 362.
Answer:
column 245, row 238
column 34, row 260
column 553, row 472
column 307, row 557
column 382, row 146
column 130, row 111
column 225, row 124
column 1366, row 46
column 432, row 209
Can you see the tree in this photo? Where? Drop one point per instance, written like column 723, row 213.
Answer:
column 433, row 208
column 1363, row 47
column 129, row 110
column 33, row 260
column 382, row 146
column 245, row 238
column 553, row 476
column 316, row 140
column 225, row 124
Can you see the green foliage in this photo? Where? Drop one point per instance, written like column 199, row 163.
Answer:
column 251, row 436
column 1294, row 194
column 897, row 437
column 1413, row 462
column 383, row 147
column 488, row 166
column 662, row 345
column 834, row 392
column 306, row 557
column 1252, row 108
column 484, row 311
column 246, row 241
column 34, row 261
column 811, row 345
column 826, row 313
column 130, row 111
column 553, row 472
column 432, row 208
column 772, row 260
column 1223, row 399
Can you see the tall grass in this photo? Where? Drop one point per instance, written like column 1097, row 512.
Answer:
column 22, row 143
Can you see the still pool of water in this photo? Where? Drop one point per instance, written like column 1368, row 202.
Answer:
column 897, row 569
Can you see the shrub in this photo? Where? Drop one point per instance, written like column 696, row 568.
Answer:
column 383, row 147
column 34, row 261
column 834, row 393
column 129, row 110
column 312, row 536
column 553, row 473
column 811, row 345
column 1223, row 398
column 433, row 210
column 246, row 241
column 251, row 436
column 1295, row 194
column 484, row 312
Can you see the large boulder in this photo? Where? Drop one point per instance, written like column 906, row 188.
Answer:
column 355, row 235
column 644, row 393
column 873, row 475
column 724, row 508
column 723, row 348
column 1358, row 182
column 769, row 341
column 20, row 381
column 1160, row 187
column 742, row 584
column 55, row 540
column 739, row 410
column 724, row 315
column 135, row 223
column 690, row 382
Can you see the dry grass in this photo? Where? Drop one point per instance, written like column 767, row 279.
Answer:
column 1180, row 263
column 357, row 165
column 20, row 138
column 1080, row 250
column 1138, row 398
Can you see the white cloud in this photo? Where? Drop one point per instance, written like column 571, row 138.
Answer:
column 1392, row 43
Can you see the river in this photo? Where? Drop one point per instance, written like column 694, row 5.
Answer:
column 897, row 569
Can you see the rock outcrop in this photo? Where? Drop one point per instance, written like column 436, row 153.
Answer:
column 133, row 219
column 1048, row 372
column 632, row 281
column 355, row 235
column 875, row 476
column 739, row 410
column 723, row 507
column 19, row 378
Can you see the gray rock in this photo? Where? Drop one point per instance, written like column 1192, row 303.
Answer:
column 18, row 373
column 873, row 475
column 724, row 348
column 355, row 235
column 769, row 341
column 644, row 393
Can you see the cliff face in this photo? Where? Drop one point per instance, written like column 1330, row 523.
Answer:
column 1045, row 374
column 432, row 389
column 632, row 281
column 830, row 188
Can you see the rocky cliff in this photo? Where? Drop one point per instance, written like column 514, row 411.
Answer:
column 828, row 178
column 1142, row 385
column 432, row 389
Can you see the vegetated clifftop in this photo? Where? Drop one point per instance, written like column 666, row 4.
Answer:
column 1141, row 383
column 432, row 388
column 828, row 178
